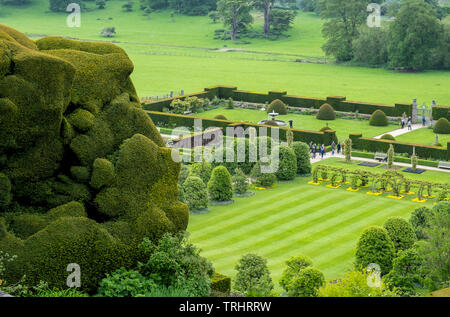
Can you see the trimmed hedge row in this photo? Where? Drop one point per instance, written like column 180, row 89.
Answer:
column 378, row 145
column 438, row 112
column 339, row 103
column 170, row 119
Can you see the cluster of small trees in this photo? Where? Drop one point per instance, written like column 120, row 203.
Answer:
column 410, row 254
column 202, row 182
column 415, row 40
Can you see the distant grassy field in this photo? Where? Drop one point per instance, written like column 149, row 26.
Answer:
column 343, row 127
column 424, row 136
column 183, row 55
column 293, row 218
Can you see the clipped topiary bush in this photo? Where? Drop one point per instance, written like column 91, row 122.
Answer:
column 378, row 119
column 387, row 136
column 293, row 267
column 201, row 169
column 326, row 112
column 442, row 126
column 420, row 220
column 220, row 186
column 287, row 163
column 221, row 283
column 306, row 283
column 72, row 129
column 240, row 184
column 102, row 173
column 375, row 246
column 220, row 117
column 401, row 233
column 262, row 179
column 195, row 194
column 303, row 156
column 277, row 106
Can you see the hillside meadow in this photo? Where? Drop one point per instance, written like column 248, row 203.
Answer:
column 181, row 54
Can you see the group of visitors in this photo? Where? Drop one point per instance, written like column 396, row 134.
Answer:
column 321, row 150
column 407, row 122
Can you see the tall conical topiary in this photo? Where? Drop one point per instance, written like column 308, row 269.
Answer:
column 348, row 150
column 220, row 187
column 390, row 158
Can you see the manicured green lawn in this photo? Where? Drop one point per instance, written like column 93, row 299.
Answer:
column 424, row 136
column 343, row 127
column 170, row 56
column 293, row 218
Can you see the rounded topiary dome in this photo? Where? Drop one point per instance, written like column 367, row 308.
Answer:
column 220, row 117
column 442, row 126
column 326, row 112
column 387, row 136
column 378, row 119
column 277, row 106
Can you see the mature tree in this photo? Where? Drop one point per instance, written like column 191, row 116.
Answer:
column 401, row 233
column 100, row 4
column 420, row 220
column 370, row 47
column 375, row 246
column 236, row 14
column 308, row 5
column 253, row 276
column 413, row 35
column 214, row 16
column 281, row 20
column 436, row 248
column 266, row 7
column 343, row 20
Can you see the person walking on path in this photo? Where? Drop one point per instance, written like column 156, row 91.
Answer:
column 314, row 150
column 338, row 148
column 409, row 126
column 322, row 151
column 333, row 145
column 310, row 146
column 424, row 121
column 403, row 123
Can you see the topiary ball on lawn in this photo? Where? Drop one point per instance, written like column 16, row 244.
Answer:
column 326, row 112
column 220, row 186
column 378, row 119
column 277, row 106
column 375, row 246
column 401, row 233
column 220, row 117
column 442, row 126
column 387, row 136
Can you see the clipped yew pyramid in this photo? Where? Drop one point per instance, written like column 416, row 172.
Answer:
column 84, row 174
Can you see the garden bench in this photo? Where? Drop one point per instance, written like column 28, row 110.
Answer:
column 380, row 156
column 443, row 164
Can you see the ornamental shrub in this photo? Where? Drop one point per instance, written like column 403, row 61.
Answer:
column 277, row 106
column 293, row 267
column 375, row 246
column 420, row 220
column 262, row 179
column 407, row 272
column 303, row 156
column 287, row 163
column 326, row 112
column 194, row 193
column 401, row 233
column 221, row 283
column 184, row 174
column 72, row 209
column 102, row 173
column 387, row 136
column 390, row 156
column 354, row 284
column 220, row 117
column 378, row 118
column 25, row 225
column 201, row 169
column 442, row 126
column 5, row 191
column 220, row 186
column 240, row 184
column 306, row 283
column 125, row 283
column 253, row 276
